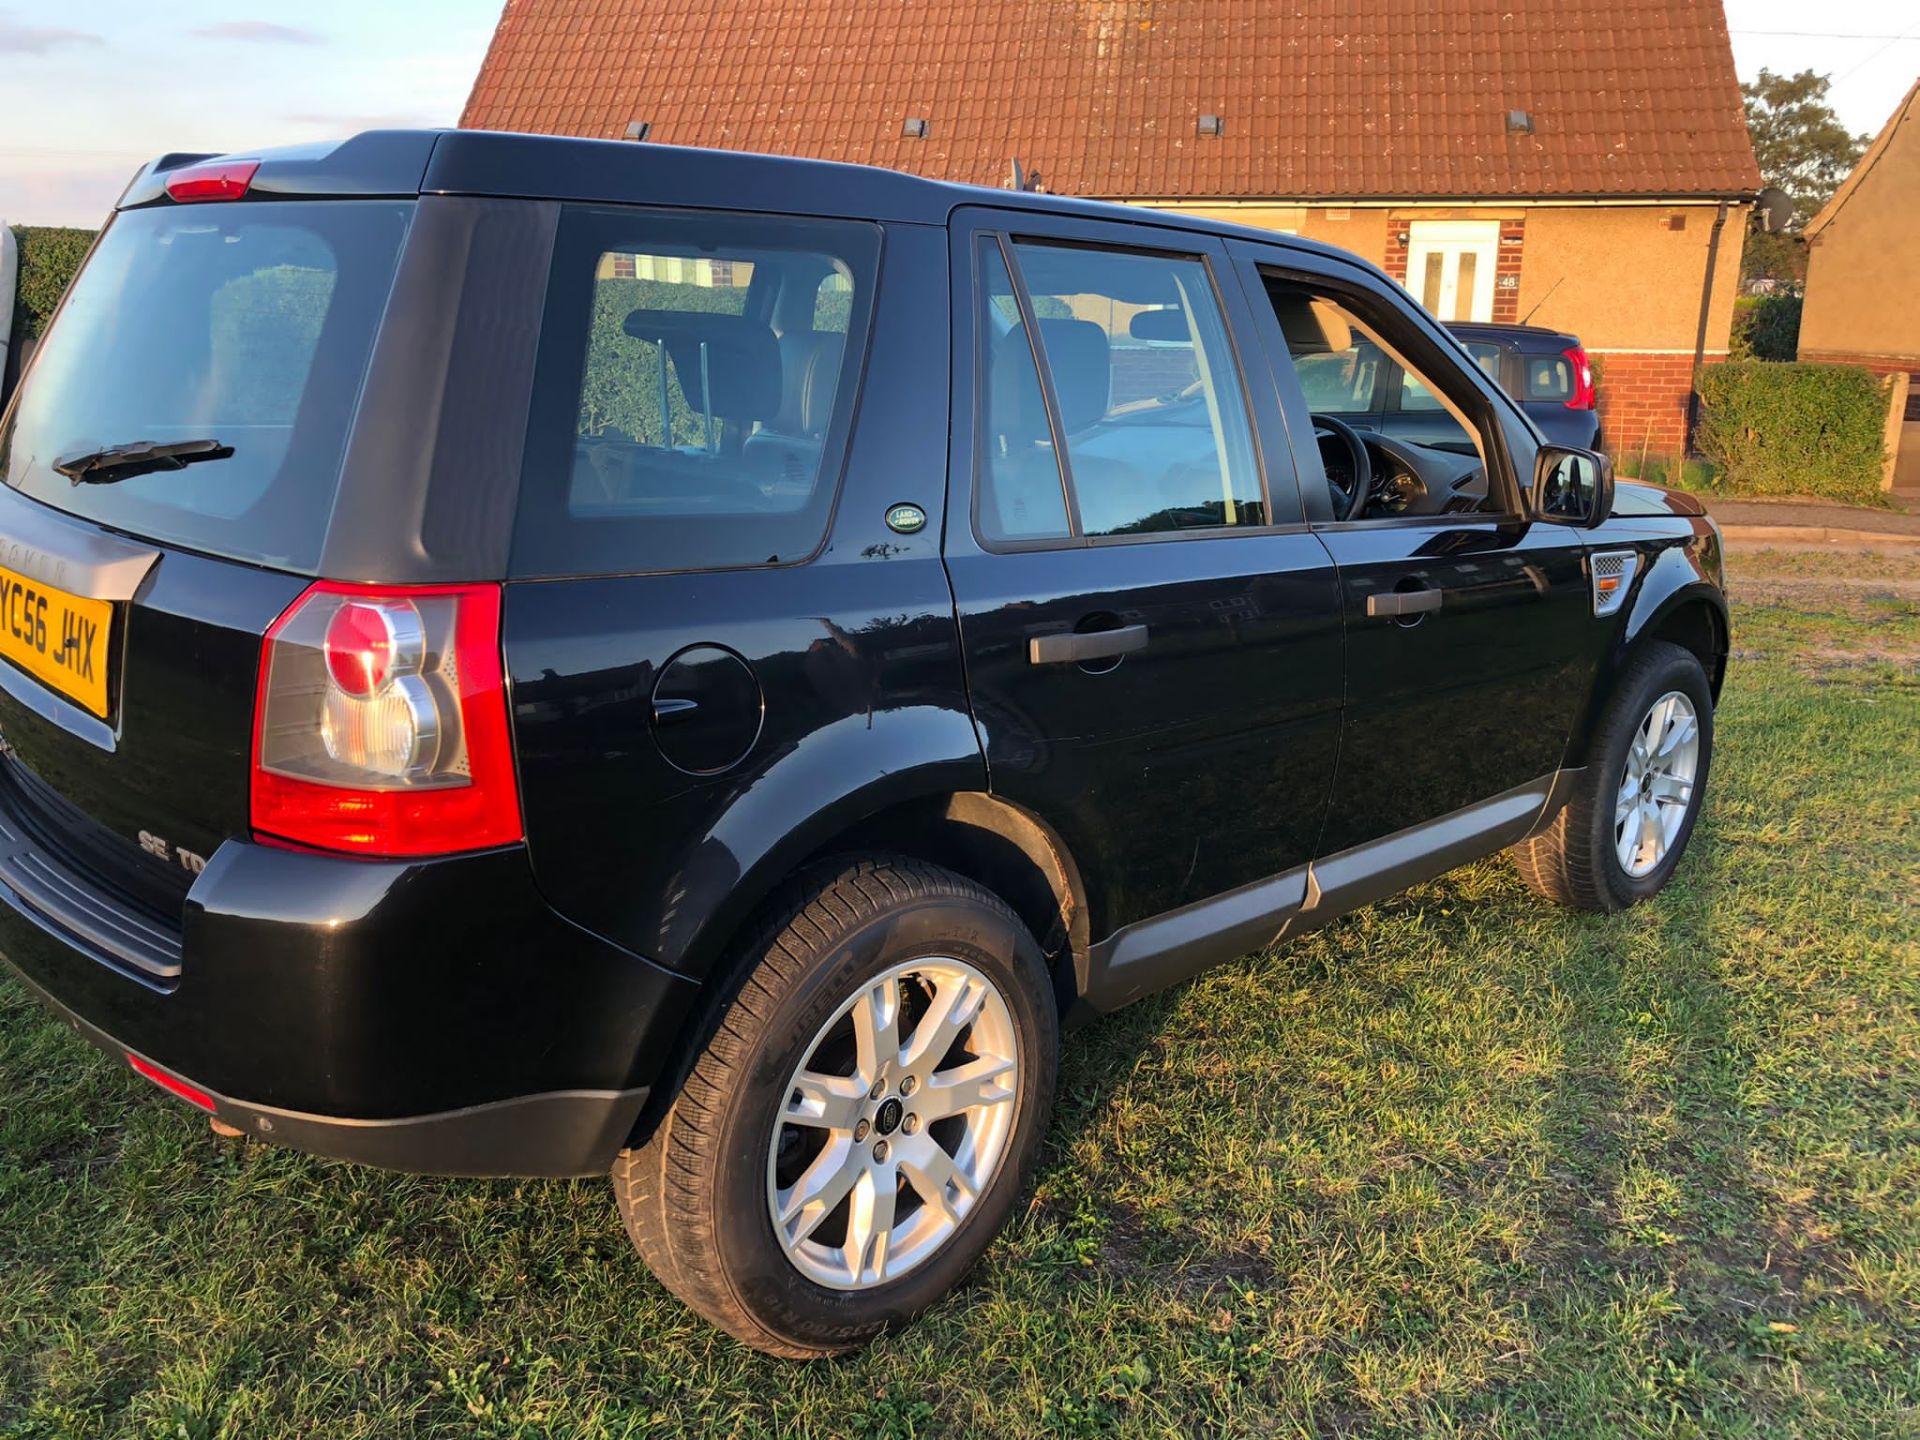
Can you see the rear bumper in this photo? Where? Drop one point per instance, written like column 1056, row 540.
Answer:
column 574, row 1132
column 434, row 1016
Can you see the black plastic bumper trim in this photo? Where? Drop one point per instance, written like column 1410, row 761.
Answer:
column 42, row 889
column 560, row 1133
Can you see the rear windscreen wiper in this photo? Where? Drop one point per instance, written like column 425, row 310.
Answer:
column 141, row 457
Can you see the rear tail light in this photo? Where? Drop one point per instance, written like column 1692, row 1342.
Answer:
column 221, row 180
column 1583, row 397
column 381, row 723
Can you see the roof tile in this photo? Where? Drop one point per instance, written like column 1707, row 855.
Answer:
column 1101, row 97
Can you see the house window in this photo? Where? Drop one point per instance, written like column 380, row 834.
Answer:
column 1450, row 267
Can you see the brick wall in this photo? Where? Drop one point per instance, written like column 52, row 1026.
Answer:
column 1506, row 284
column 1395, row 263
column 1643, row 401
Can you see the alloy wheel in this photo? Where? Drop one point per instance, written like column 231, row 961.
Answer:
column 894, row 1123
column 1658, row 784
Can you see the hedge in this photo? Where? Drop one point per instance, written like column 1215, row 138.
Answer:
column 620, row 389
column 48, row 258
column 1767, row 327
column 1778, row 429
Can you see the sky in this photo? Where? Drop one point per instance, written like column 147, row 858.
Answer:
column 90, row 90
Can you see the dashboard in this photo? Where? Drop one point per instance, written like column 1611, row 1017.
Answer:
column 1409, row 479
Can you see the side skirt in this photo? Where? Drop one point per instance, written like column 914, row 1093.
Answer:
column 1152, row 954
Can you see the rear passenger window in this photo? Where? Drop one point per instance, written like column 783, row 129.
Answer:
column 1020, row 490
column 1487, row 356
column 693, row 391
column 1147, row 397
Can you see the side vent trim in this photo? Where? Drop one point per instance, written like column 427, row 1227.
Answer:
column 1612, row 572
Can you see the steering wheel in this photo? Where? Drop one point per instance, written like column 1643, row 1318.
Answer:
column 1347, row 505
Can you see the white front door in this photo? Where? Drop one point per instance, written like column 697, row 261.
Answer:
column 1450, row 267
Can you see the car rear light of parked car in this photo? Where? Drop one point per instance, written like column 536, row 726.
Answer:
column 1583, row 397
column 381, row 723
column 225, row 180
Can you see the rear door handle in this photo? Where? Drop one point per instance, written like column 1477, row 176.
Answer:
column 1390, row 603
column 1081, row 646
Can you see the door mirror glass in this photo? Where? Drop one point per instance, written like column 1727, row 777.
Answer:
column 1572, row 487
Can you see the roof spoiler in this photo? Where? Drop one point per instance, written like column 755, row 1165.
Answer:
column 373, row 163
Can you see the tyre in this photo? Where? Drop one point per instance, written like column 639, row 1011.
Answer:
column 1621, row 834
column 863, row 1112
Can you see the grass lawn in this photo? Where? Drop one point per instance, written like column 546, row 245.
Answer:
column 1461, row 1164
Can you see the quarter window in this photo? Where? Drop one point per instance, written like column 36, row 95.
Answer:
column 1147, row 399
column 1549, row 377
column 693, row 391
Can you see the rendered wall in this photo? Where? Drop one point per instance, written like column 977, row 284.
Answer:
column 1863, row 269
column 1626, row 279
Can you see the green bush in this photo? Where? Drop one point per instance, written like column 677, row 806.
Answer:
column 48, row 258
column 1773, row 429
column 1767, row 327
column 621, row 387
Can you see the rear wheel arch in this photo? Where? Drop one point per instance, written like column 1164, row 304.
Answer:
column 1000, row 846
column 1004, row 848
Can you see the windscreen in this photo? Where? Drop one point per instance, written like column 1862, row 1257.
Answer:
column 232, row 340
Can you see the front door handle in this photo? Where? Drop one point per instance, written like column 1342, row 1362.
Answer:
column 1389, row 604
column 1080, row 646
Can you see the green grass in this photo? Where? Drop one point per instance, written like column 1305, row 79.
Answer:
column 1460, row 1165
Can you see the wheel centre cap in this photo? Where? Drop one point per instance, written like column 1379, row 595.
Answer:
column 887, row 1119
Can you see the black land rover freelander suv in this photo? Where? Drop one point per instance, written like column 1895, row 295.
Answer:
column 535, row 656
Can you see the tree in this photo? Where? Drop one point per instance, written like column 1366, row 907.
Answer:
column 1804, row 150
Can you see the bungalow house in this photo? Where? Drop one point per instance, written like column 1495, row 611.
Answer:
column 1862, row 302
column 1582, row 164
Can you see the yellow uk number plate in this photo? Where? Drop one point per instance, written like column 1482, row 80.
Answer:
column 58, row 638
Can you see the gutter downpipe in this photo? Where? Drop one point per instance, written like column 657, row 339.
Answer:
column 1700, row 339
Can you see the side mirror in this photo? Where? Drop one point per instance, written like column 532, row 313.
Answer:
column 1572, row 487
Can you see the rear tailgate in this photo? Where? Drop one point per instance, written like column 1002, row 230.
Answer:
column 134, row 595
column 109, row 819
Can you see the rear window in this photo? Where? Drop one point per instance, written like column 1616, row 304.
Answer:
column 694, row 390
column 247, row 325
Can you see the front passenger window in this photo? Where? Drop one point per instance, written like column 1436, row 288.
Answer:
column 1340, row 382
column 1428, row 460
